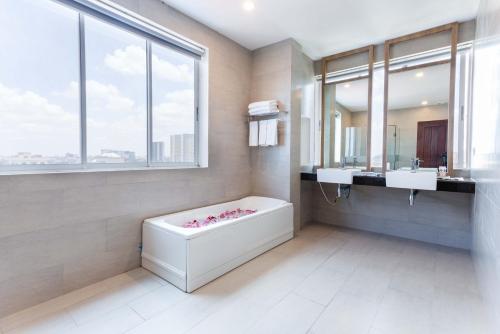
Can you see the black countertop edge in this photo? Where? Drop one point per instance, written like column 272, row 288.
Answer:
column 466, row 186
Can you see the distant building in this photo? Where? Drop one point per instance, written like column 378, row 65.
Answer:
column 27, row 158
column 158, row 151
column 125, row 156
column 182, row 147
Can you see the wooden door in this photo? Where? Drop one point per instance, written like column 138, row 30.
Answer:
column 431, row 142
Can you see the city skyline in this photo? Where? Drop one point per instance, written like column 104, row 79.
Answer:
column 181, row 149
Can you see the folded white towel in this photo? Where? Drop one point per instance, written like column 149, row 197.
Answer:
column 272, row 132
column 260, row 104
column 262, row 133
column 253, row 138
column 261, row 111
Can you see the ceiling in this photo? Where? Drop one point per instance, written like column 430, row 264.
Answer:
column 323, row 27
column 406, row 89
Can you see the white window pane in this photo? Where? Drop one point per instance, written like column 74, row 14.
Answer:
column 116, row 94
column 39, row 91
column 173, row 106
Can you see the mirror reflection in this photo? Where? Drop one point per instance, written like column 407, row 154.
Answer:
column 346, row 123
column 417, row 117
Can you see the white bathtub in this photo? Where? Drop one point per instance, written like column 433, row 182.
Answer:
column 191, row 257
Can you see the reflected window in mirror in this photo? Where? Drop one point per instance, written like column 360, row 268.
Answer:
column 346, row 114
column 463, row 109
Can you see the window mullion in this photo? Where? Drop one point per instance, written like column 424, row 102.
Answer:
column 149, row 103
column 196, row 112
column 83, row 93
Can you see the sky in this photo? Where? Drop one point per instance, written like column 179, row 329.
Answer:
column 39, row 84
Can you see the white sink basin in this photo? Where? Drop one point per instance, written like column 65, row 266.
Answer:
column 337, row 175
column 421, row 179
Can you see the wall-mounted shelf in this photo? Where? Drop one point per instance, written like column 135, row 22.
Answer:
column 265, row 116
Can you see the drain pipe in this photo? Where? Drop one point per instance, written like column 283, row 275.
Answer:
column 343, row 190
column 413, row 194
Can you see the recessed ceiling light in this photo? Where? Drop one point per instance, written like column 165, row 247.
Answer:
column 419, row 74
column 424, row 102
column 347, row 85
column 248, row 6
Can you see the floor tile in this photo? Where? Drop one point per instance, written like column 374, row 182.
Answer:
column 115, row 322
column 59, row 322
column 322, row 285
column 345, row 261
column 122, row 291
column 400, row 312
column 327, row 280
column 157, row 300
column 293, row 315
column 235, row 317
column 417, row 283
column 370, row 284
column 185, row 314
column 346, row 314
column 271, row 288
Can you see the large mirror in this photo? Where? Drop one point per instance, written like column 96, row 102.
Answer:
column 417, row 117
column 346, row 109
column 419, row 95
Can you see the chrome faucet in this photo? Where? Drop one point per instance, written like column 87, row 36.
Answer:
column 342, row 162
column 415, row 164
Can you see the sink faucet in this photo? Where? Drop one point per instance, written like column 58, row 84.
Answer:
column 342, row 162
column 415, row 164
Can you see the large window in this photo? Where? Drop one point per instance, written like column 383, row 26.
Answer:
column 39, row 66
column 116, row 94
column 173, row 106
column 83, row 89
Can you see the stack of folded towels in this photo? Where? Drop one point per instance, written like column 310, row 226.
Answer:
column 263, row 108
column 264, row 132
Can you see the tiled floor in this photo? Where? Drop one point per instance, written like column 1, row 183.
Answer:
column 324, row 281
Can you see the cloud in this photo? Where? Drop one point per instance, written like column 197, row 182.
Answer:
column 132, row 61
column 50, row 125
column 29, row 120
column 106, row 98
column 176, row 114
column 168, row 71
column 114, row 121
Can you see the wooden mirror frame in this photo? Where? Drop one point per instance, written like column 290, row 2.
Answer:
column 371, row 57
column 453, row 29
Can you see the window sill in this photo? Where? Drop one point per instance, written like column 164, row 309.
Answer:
column 94, row 170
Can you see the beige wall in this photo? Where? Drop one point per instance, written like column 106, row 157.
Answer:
column 280, row 72
column 59, row 232
column 272, row 80
column 302, row 77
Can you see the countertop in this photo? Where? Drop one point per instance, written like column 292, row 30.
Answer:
column 465, row 186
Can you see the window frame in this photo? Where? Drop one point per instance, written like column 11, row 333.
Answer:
column 151, row 33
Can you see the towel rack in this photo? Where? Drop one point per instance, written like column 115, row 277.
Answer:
column 264, row 116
